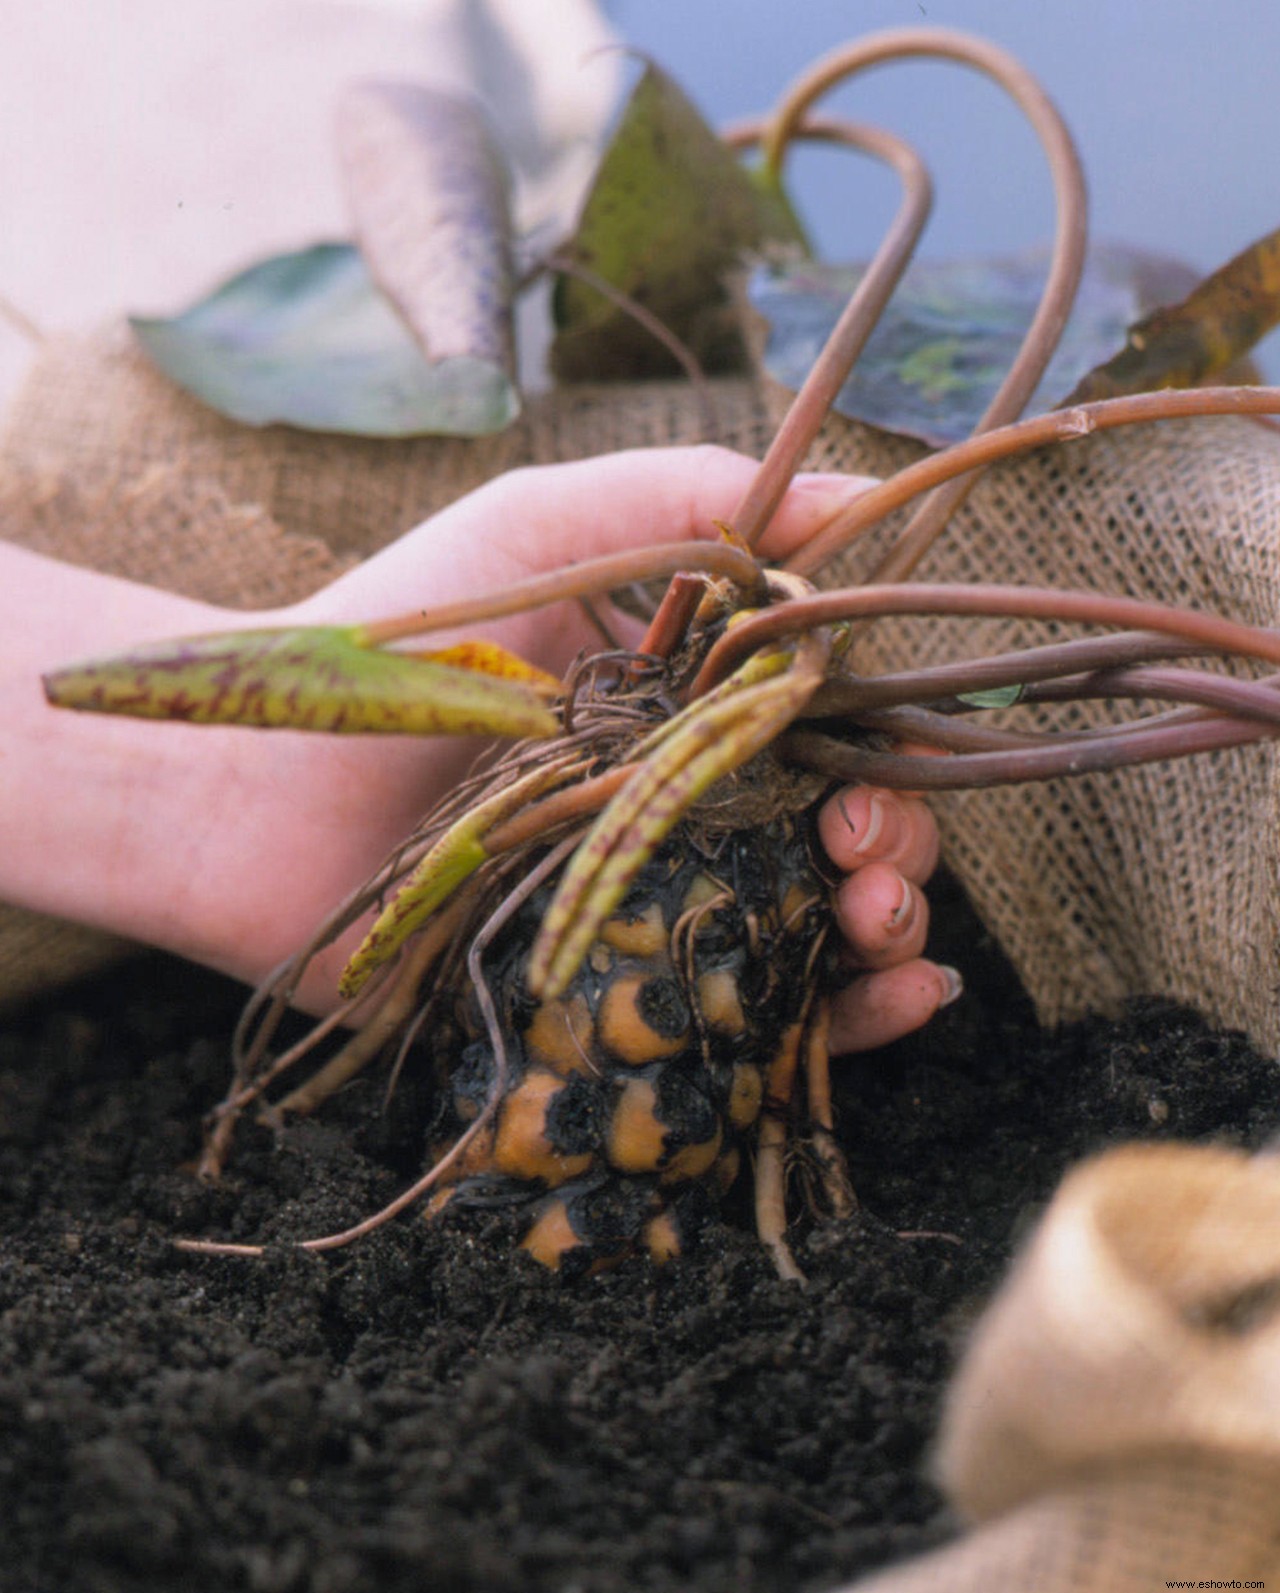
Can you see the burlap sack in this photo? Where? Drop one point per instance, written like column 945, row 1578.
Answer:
column 1115, row 1426
column 104, row 463
column 1161, row 879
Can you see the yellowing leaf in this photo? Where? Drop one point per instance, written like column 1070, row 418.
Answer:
column 1189, row 342
column 487, row 658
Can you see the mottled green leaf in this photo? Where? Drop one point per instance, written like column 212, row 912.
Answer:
column 951, row 332
column 307, row 339
column 671, row 213
column 452, row 861
column 321, row 677
column 698, row 746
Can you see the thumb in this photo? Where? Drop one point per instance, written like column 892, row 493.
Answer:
column 542, row 517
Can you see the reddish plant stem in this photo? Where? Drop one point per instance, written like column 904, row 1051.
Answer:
column 857, row 321
column 809, row 409
column 904, row 771
column 1243, row 699
column 980, row 599
column 592, row 575
column 1071, row 229
column 573, row 802
column 854, row 694
column 1059, row 426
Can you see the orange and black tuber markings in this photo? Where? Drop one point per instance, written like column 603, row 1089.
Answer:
column 629, row 1098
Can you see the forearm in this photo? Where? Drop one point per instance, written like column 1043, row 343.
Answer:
column 224, row 845
column 230, row 846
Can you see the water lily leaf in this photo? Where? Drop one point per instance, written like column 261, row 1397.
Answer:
column 670, row 214
column 1215, row 325
column 429, row 194
column 323, row 677
column 307, row 339
column 951, row 332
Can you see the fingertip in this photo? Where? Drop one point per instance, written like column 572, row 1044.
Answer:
column 883, row 915
column 921, row 846
column 879, row 1008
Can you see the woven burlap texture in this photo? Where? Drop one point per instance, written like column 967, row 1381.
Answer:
column 1161, row 879
column 1115, row 1424
column 103, row 462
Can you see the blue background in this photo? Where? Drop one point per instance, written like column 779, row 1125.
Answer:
column 1172, row 102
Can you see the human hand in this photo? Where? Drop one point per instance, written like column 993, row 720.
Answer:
column 535, row 520
column 229, row 847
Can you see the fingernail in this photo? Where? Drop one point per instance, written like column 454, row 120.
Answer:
column 832, row 484
column 953, row 982
column 902, row 911
column 875, row 823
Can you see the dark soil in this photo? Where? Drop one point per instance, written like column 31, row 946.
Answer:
column 428, row 1410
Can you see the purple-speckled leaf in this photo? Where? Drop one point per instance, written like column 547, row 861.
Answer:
column 951, row 331
column 311, row 678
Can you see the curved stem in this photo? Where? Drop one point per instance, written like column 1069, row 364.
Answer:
column 980, row 599
column 1243, row 699
column 856, row 323
column 854, row 694
column 943, row 726
column 1066, row 263
column 809, row 408
column 905, row 771
column 592, row 575
column 1060, row 425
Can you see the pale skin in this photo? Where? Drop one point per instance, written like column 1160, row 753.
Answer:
column 229, row 846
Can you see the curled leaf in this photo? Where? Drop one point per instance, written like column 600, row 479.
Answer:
column 428, row 191
column 1183, row 344
column 306, row 339
column 670, row 214
column 310, row 678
